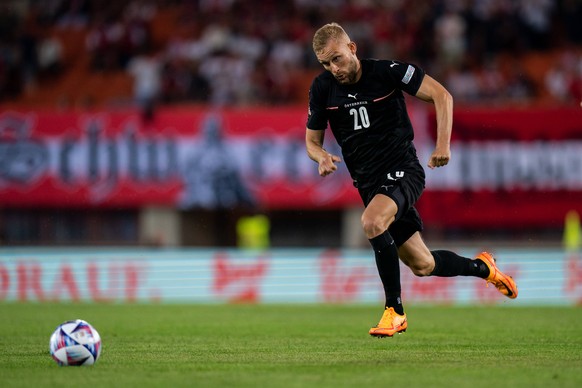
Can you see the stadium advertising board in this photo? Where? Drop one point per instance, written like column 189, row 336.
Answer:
column 511, row 167
column 277, row 276
column 522, row 167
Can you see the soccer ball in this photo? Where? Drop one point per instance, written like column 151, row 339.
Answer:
column 75, row 343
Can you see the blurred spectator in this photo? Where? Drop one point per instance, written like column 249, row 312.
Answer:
column 229, row 77
column 490, row 77
column 146, row 70
column 71, row 13
column 537, row 18
column 181, row 81
column 519, row 87
column 50, row 56
column 570, row 14
column 136, row 29
column 28, row 42
column 450, row 37
column 576, row 85
column 103, row 43
column 561, row 76
column 463, row 83
column 10, row 60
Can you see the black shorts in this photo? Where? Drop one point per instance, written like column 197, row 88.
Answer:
column 405, row 188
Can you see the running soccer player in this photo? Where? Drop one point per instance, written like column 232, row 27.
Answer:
column 363, row 103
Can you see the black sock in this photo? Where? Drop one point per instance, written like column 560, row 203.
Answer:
column 448, row 264
column 389, row 269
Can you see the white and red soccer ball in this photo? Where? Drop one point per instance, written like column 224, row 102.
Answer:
column 75, row 343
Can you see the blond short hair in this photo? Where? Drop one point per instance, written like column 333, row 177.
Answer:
column 330, row 31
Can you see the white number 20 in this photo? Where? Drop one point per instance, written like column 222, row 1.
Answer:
column 361, row 120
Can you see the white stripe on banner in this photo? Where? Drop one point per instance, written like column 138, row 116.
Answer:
column 507, row 165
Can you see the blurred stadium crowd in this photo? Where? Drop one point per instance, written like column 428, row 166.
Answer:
column 234, row 52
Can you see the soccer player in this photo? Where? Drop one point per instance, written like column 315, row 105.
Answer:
column 363, row 103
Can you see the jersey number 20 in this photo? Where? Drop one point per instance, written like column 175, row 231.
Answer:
column 361, row 119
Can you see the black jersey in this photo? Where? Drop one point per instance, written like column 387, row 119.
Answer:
column 369, row 118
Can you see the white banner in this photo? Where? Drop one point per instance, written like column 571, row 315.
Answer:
column 299, row 276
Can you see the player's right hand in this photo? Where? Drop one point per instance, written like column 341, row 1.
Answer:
column 327, row 164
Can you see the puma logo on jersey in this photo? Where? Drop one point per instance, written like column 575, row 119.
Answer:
column 353, row 96
column 393, row 64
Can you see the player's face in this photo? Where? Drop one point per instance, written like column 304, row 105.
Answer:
column 339, row 58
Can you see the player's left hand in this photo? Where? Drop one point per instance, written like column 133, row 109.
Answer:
column 439, row 158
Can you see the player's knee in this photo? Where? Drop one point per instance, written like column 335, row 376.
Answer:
column 373, row 226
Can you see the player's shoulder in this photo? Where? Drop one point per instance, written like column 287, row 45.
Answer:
column 382, row 64
column 378, row 68
column 398, row 72
column 374, row 62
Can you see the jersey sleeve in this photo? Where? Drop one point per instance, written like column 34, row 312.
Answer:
column 317, row 113
column 405, row 76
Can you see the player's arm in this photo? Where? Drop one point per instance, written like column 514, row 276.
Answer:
column 316, row 152
column 432, row 91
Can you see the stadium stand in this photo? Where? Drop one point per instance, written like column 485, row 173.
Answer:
column 258, row 52
column 68, row 56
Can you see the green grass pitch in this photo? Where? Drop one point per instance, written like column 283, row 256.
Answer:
column 297, row 346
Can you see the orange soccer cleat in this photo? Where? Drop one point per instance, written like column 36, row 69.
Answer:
column 390, row 324
column 501, row 281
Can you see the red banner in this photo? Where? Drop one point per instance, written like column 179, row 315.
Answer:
column 184, row 158
column 510, row 168
column 515, row 167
